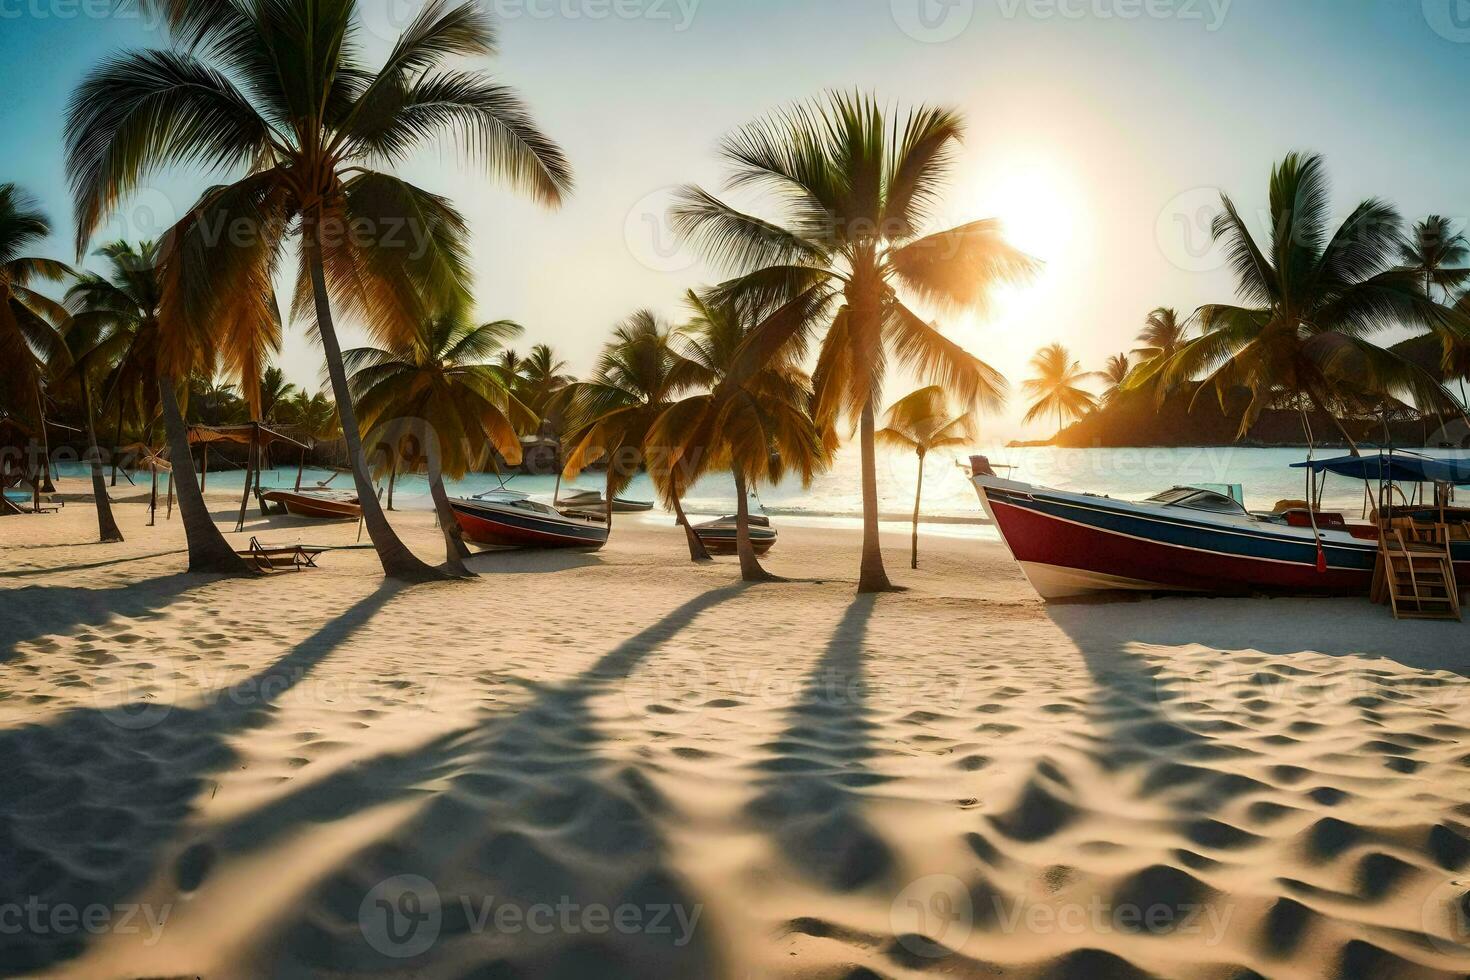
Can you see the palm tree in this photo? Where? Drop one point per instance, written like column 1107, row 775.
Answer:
column 856, row 190
column 1055, row 387
column 542, row 382
column 1115, row 374
column 153, row 360
column 109, row 333
column 921, row 421
column 756, row 423
column 128, row 299
column 30, row 323
column 274, row 390
column 639, row 374
column 441, row 378
column 1163, row 334
column 1311, row 299
column 314, row 416
column 1437, row 253
column 279, row 90
column 214, row 401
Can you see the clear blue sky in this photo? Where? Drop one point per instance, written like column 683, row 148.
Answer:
column 1097, row 129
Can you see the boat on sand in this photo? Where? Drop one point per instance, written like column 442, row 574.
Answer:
column 1186, row 539
column 591, row 500
column 719, row 535
column 514, row 520
column 321, row 504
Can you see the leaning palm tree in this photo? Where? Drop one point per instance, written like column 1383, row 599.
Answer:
column 639, row 374
column 922, row 422
column 1310, row 299
column 440, row 387
column 278, row 90
column 1056, row 387
column 1438, row 254
column 755, row 423
column 1163, row 334
column 1115, row 374
column 30, row 323
column 856, row 190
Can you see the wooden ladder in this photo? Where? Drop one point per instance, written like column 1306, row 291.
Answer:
column 1419, row 575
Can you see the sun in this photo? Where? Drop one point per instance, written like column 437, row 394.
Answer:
column 1038, row 206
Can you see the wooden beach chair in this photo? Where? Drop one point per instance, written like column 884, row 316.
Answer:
column 267, row 558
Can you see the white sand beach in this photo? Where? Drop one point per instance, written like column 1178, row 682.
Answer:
column 625, row 765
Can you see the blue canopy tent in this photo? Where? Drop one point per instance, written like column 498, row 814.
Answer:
column 1394, row 468
column 1389, row 469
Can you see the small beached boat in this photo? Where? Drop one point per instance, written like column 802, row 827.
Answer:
column 592, row 500
column 719, row 536
column 1186, row 539
column 329, row 505
column 513, row 520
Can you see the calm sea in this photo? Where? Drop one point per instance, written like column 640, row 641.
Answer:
column 949, row 500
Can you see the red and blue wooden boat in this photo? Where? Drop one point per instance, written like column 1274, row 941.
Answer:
column 1188, row 539
column 514, row 521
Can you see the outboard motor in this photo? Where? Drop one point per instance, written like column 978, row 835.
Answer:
column 980, row 466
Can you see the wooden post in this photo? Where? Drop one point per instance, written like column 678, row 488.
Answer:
column 249, row 465
column 153, row 495
column 170, row 515
column 204, row 475
column 299, row 467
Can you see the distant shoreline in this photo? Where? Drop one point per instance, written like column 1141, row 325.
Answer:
column 1048, row 444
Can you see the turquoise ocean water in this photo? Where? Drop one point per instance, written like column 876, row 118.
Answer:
column 1264, row 474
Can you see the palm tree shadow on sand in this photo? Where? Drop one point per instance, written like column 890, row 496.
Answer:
column 808, row 801
column 92, row 800
column 527, row 815
column 35, row 612
column 1192, row 730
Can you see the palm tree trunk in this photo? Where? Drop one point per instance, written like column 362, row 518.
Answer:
column 455, row 551
column 607, row 491
column 872, row 577
column 918, row 492
column 397, row 561
column 44, row 485
column 697, row 550
column 117, row 439
column 107, row 528
column 750, row 566
column 208, row 549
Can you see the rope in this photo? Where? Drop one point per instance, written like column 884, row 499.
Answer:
column 1311, row 494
